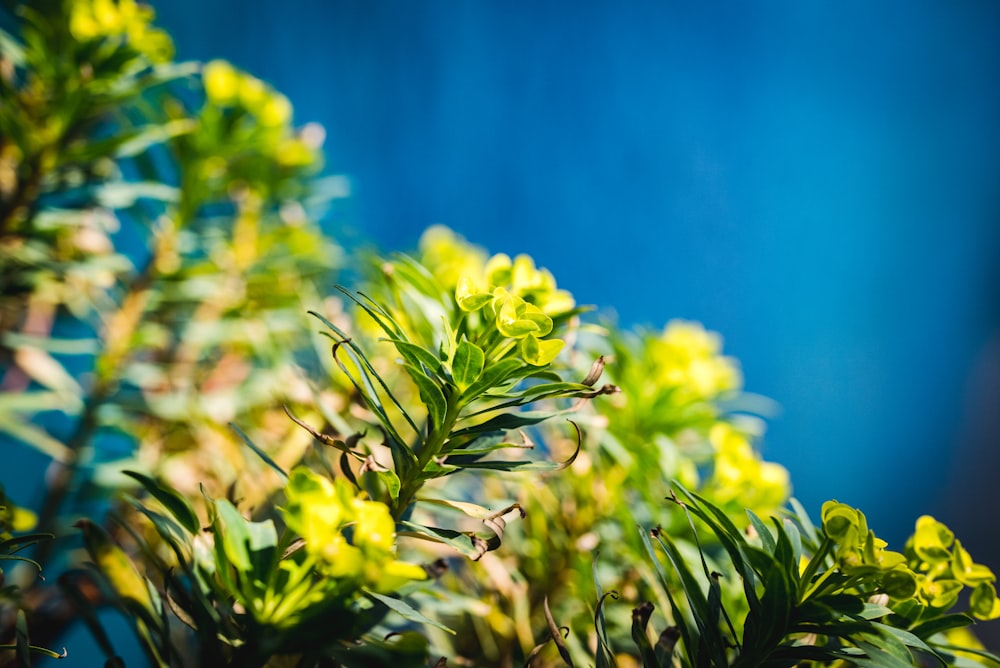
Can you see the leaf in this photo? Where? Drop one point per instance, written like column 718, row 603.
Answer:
column 22, row 651
column 456, row 539
column 122, row 195
column 507, row 421
column 11, row 48
column 493, row 375
column 540, row 352
column 467, row 366
column 416, row 355
column 803, row 517
column 937, row 625
column 44, row 369
column 406, row 611
column 556, row 634
column 402, row 456
column 640, row 619
column 708, row 625
column 685, row 626
column 431, row 395
column 260, row 453
column 766, row 537
column 114, row 564
column 171, row 500
column 150, row 135
column 470, row 509
column 231, row 527
column 80, row 346
column 605, row 658
column 35, row 437
column 389, row 479
column 487, row 443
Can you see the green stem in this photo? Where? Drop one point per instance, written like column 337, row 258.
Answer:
column 436, row 439
column 108, row 367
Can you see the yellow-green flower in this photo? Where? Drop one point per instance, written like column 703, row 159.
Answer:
column 124, row 19
column 221, row 81
column 321, row 510
column 741, row 476
column 688, row 357
column 450, row 257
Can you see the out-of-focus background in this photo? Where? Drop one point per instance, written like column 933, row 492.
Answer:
column 819, row 182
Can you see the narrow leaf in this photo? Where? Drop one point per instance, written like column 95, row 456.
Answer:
column 171, row 500
column 406, row 611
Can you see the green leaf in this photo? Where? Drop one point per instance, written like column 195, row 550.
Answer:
column 260, row 453
column 507, row 421
column 417, row 355
column 470, row 509
column 231, row 527
column 681, row 616
column 640, row 619
column 22, row 652
column 937, row 625
column 151, row 135
column 540, row 352
column 11, row 48
column 707, row 623
column 906, row 638
column 171, row 500
column 431, row 395
column 391, row 482
column 494, row 374
column 467, row 366
column 122, row 195
column 406, row 611
column 605, row 659
column 766, row 537
column 456, row 539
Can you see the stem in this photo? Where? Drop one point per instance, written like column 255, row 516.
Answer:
column 432, row 446
column 119, row 330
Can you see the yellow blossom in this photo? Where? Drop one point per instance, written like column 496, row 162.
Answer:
column 321, row 510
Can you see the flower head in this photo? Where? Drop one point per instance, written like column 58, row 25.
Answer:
column 350, row 537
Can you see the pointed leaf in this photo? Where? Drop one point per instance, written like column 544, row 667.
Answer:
column 171, row 500
column 406, row 611
column 431, row 395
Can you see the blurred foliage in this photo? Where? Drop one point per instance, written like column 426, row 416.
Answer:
column 429, row 465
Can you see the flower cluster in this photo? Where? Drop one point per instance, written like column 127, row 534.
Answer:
column 943, row 567
column 449, row 257
column 740, row 475
column 520, row 300
column 230, row 90
column 123, row 20
column 348, row 537
column 688, row 360
column 860, row 553
column 13, row 518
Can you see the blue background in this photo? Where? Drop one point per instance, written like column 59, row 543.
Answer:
column 819, row 182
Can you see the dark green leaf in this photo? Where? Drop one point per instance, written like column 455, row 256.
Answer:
column 431, row 395
column 171, row 500
column 493, row 375
column 937, row 625
column 264, row 457
column 417, row 355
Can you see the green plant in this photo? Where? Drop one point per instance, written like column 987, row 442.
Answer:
column 14, row 521
column 438, row 472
